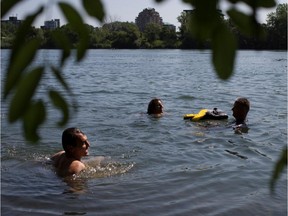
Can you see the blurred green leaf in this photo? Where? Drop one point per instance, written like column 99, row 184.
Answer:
column 24, row 92
column 234, row 1
column 247, row 24
column 33, row 118
column 73, row 17
column 22, row 53
column 267, row 3
column 75, row 20
column 60, row 103
column 23, row 57
column 60, row 78
column 82, row 46
column 256, row 3
column 94, row 8
column 58, row 75
column 200, row 28
column 62, row 41
column 278, row 169
column 224, row 47
column 202, row 25
column 243, row 21
column 6, row 5
column 260, row 3
column 23, row 30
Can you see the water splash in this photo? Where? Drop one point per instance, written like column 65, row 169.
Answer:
column 106, row 169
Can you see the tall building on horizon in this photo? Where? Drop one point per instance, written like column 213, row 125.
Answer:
column 148, row 15
column 51, row 24
column 12, row 20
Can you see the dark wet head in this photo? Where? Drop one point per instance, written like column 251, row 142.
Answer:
column 155, row 106
column 240, row 109
column 70, row 137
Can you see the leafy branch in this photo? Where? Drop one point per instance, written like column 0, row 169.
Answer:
column 22, row 80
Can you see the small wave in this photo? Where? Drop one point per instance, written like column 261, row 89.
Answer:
column 260, row 153
column 280, row 59
column 78, row 183
column 186, row 97
column 106, row 170
column 204, row 167
column 236, row 154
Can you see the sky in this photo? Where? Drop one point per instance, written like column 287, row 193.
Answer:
column 118, row 10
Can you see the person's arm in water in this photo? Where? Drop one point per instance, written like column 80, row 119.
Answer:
column 76, row 167
column 75, row 144
column 66, row 166
column 240, row 128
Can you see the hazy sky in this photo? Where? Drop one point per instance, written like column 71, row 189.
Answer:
column 116, row 10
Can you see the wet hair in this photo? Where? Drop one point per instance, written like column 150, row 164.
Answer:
column 152, row 106
column 243, row 103
column 70, row 137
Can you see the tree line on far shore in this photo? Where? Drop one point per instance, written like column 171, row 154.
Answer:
column 125, row 35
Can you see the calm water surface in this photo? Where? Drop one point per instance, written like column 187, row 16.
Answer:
column 164, row 166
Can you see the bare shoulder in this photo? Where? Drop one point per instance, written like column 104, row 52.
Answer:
column 76, row 167
column 57, row 155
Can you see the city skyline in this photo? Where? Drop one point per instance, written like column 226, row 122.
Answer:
column 116, row 11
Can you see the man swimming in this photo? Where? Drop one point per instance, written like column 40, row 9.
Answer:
column 75, row 145
column 240, row 110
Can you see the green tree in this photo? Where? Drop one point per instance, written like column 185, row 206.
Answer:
column 91, row 35
column 101, row 38
column 152, row 35
column 123, row 35
column 72, row 35
column 8, row 30
column 277, row 27
column 48, row 41
column 185, row 34
column 169, row 37
column 246, row 40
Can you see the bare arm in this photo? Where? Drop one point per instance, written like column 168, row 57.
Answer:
column 76, row 167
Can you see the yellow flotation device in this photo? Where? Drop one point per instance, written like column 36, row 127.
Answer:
column 214, row 114
column 196, row 117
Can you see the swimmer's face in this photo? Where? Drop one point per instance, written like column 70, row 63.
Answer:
column 159, row 107
column 81, row 149
column 155, row 107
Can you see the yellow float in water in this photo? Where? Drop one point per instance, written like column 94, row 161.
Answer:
column 214, row 114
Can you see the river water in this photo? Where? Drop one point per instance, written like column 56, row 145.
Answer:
column 165, row 166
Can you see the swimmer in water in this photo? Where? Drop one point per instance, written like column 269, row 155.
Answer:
column 155, row 108
column 240, row 110
column 75, row 145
